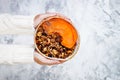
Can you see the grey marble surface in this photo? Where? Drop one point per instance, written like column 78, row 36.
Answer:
column 98, row 23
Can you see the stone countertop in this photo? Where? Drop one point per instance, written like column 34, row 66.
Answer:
column 98, row 23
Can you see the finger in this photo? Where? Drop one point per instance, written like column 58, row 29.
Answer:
column 42, row 60
column 38, row 18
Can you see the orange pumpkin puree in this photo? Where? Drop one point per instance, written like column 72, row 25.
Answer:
column 64, row 28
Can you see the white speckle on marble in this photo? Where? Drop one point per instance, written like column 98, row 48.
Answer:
column 98, row 23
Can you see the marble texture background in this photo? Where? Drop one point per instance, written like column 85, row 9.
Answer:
column 98, row 23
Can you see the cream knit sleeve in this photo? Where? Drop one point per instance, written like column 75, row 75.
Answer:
column 16, row 24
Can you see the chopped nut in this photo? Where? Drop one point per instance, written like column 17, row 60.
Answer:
column 63, row 54
column 40, row 47
column 45, row 49
column 43, row 38
column 39, row 33
column 49, row 36
column 55, row 51
column 69, row 51
column 39, row 40
column 52, row 40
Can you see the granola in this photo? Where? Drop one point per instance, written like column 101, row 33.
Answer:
column 50, row 44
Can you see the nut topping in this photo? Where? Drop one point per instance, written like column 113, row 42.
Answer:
column 50, row 44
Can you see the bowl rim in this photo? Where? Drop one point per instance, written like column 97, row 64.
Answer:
column 70, row 22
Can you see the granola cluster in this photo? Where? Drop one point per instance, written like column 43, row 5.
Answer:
column 50, row 44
